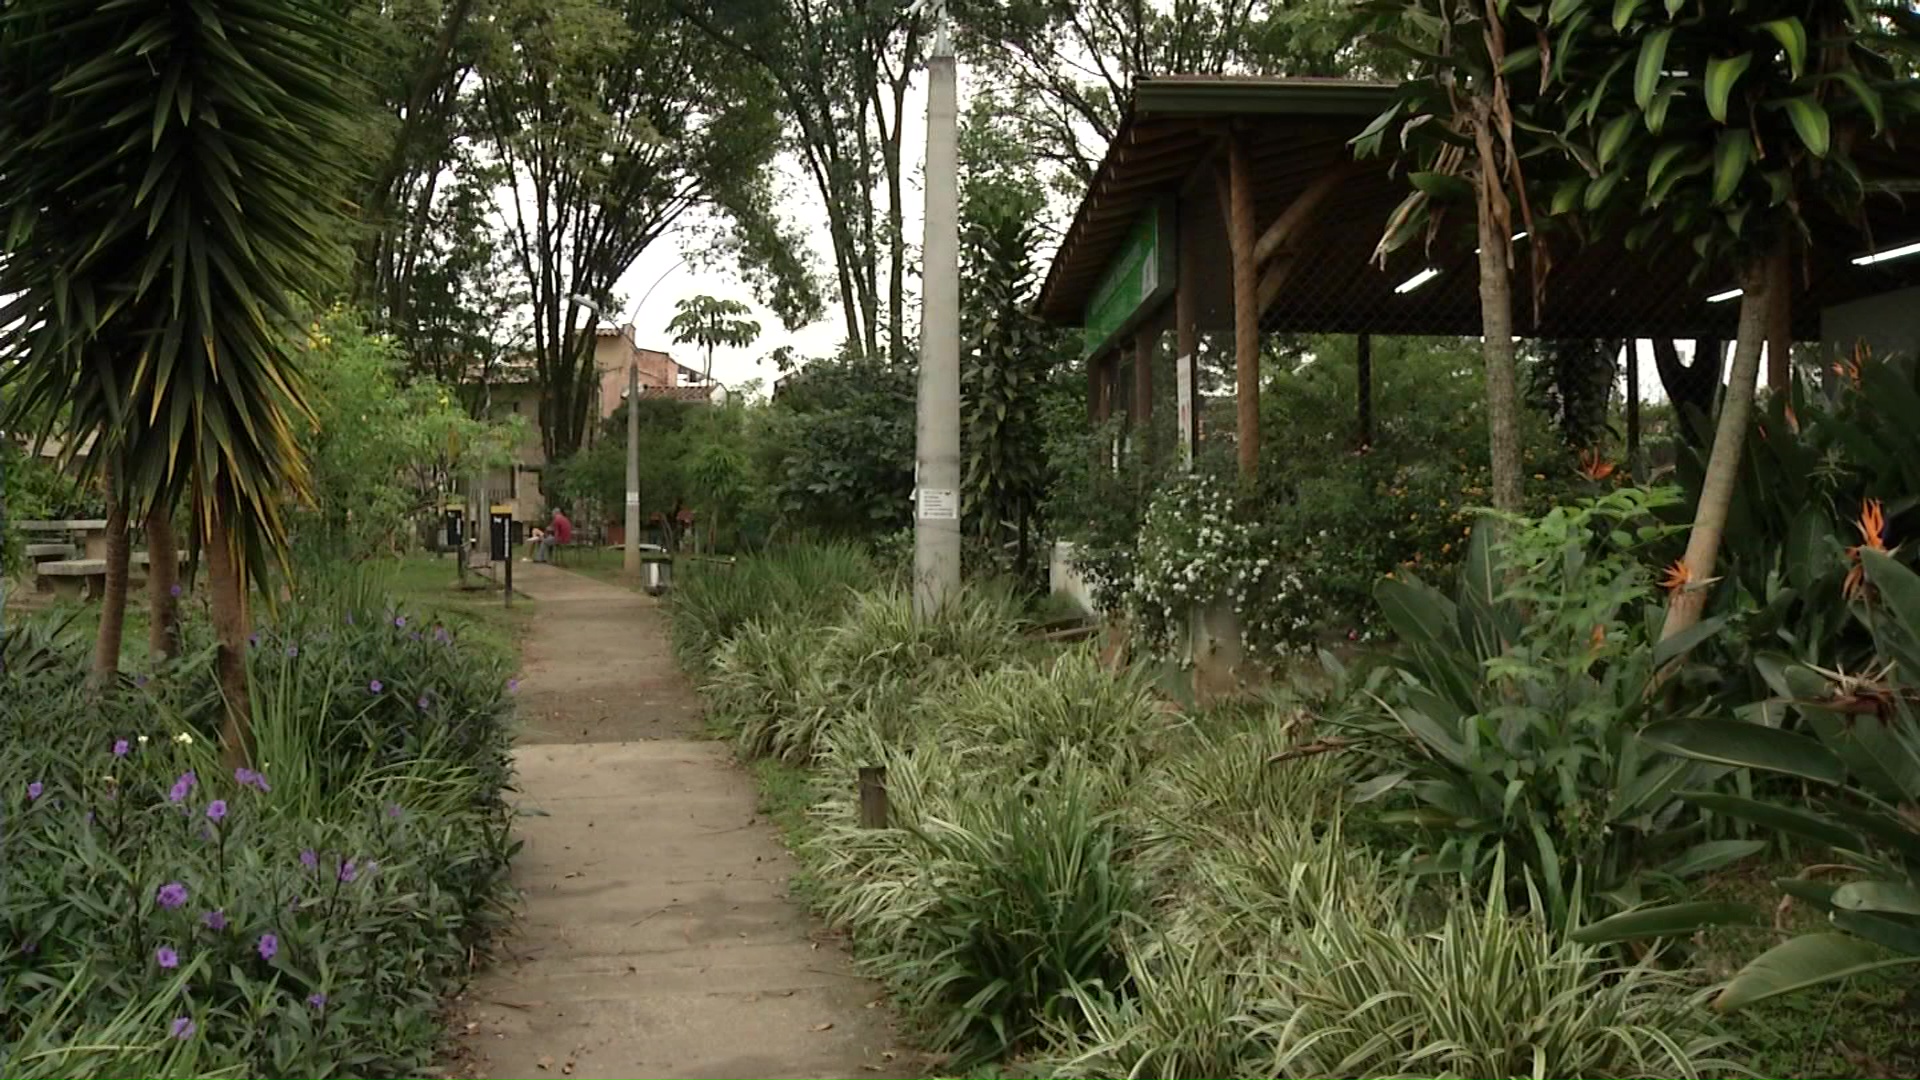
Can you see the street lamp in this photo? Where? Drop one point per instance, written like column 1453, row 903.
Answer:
column 936, row 518
column 630, row 561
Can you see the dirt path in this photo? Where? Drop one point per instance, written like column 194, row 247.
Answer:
column 657, row 938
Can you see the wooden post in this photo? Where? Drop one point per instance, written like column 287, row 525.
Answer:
column 873, row 796
column 1363, row 364
column 1246, row 311
column 1146, row 349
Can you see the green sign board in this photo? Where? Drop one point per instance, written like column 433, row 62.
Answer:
column 1139, row 277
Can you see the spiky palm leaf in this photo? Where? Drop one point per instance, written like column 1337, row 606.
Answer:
column 171, row 179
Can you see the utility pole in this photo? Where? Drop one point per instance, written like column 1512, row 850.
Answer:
column 936, row 525
column 631, row 562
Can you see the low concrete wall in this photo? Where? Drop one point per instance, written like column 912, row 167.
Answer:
column 1064, row 580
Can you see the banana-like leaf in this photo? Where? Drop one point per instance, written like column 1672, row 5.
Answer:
column 1682, row 643
column 1443, row 186
column 1898, row 897
column 1778, row 818
column 1647, row 68
column 1614, row 136
column 1568, row 194
column 1792, row 35
column 1811, row 123
column 1868, row 97
column 1657, row 108
column 1730, row 158
column 1801, row 962
column 1722, row 73
column 1662, row 158
column 1730, row 742
column 1710, row 855
column 1596, row 193
column 1899, row 590
column 1670, row 920
column 1623, row 13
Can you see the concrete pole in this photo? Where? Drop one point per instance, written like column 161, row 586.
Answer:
column 936, row 532
column 631, row 563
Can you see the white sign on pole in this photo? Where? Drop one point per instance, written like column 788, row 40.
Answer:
column 939, row 504
column 1183, row 377
column 633, row 498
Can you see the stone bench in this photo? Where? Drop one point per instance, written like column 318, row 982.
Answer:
column 40, row 553
column 74, row 579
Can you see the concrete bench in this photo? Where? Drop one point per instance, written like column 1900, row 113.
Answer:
column 40, row 553
column 75, row 579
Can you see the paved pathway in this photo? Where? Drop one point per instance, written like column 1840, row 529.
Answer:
column 657, row 938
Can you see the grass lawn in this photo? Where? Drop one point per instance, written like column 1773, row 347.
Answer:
column 424, row 582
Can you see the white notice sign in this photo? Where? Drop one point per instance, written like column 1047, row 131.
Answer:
column 939, row 504
column 1183, row 377
column 633, row 498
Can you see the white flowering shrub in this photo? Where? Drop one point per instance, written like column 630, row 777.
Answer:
column 1192, row 550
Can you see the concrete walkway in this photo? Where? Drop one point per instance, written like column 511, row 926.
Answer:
column 657, row 939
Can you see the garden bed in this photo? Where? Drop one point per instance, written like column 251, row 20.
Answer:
column 163, row 914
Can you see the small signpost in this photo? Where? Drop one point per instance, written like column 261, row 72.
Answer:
column 1189, row 432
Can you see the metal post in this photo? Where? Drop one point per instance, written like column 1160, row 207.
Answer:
column 631, row 564
column 936, row 546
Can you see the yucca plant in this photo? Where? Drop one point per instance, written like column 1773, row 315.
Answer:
column 172, row 186
column 1861, row 751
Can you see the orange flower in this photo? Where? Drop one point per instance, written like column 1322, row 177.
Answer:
column 1872, row 524
column 1678, row 576
column 1599, row 639
column 1849, row 368
column 1593, row 466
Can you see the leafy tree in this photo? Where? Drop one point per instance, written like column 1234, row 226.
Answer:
column 174, row 180
column 841, row 69
column 613, row 123
column 1735, row 121
column 1572, row 383
column 709, row 322
column 840, row 446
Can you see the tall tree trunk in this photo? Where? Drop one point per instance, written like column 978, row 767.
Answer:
column 1633, row 413
column 1723, row 466
column 226, row 582
column 113, row 605
column 1689, row 386
column 1246, row 310
column 163, row 576
column 1496, row 328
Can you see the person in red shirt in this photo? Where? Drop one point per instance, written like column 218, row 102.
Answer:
column 559, row 531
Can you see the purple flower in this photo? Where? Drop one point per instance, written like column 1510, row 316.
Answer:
column 423, row 703
column 171, row 895
column 217, row 809
column 140, row 680
column 214, row 920
column 246, row 777
column 400, row 621
column 513, row 686
column 440, row 635
column 317, row 1000
column 174, row 590
column 308, row 859
column 393, row 809
column 348, row 871
column 182, row 787
column 30, row 948
column 34, row 789
column 293, row 651
column 166, row 957
column 182, row 1026
column 269, row 946
column 120, row 748
column 376, row 686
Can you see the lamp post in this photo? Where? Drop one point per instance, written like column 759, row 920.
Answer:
column 936, row 518
column 630, row 559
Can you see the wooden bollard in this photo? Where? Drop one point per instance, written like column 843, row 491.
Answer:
column 873, row 796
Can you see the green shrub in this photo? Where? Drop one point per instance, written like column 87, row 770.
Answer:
column 1484, row 994
column 160, row 915
column 1511, row 734
column 805, row 582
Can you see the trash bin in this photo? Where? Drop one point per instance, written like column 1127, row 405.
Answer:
column 656, row 571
